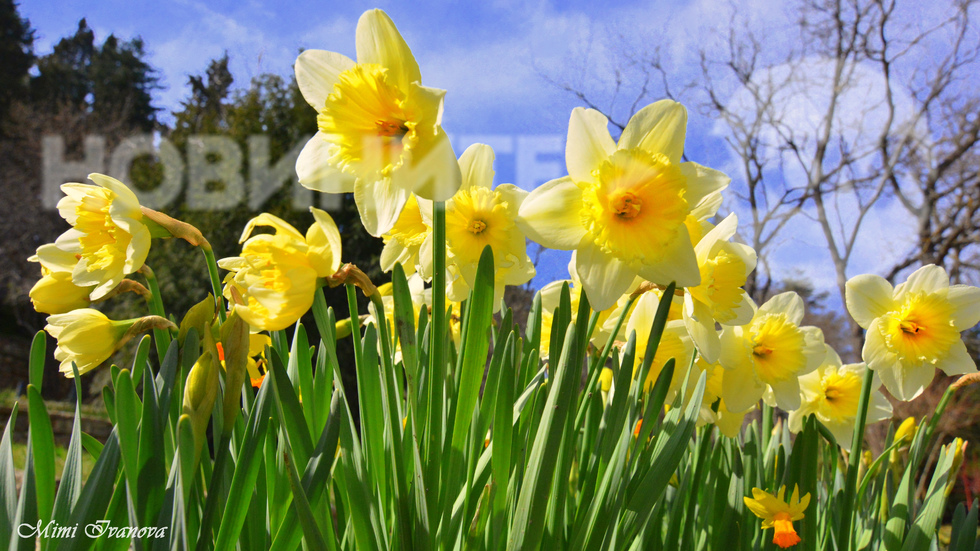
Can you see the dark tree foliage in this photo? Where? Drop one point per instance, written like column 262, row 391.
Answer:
column 16, row 55
column 99, row 80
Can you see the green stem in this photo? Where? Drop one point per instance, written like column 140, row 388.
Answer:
column 850, row 486
column 215, row 281
column 161, row 337
column 767, row 421
column 434, row 427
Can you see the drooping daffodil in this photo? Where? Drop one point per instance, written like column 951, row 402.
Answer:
column 624, row 206
column 379, row 127
column 771, row 351
column 914, row 328
column 276, row 274
column 87, row 337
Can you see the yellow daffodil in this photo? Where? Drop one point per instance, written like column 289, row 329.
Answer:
column 832, row 393
column 107, row 237
column 379, row 128
column 623, row 206
column 771, row 351
column 914, row 328
column 276, row 274
column 476, row 216
column 724, row 268
column 87, row 337
column 776, row 513
column 55, row 292
column 674, row 343
column 403, row 241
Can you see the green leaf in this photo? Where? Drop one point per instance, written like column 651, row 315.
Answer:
column 128, row 407
column 405, row 324
column 42, row 444
column 246, row 471
column 529, row 516
column 97, row 491
column 307, row 519
column 290, row 412
column 38, row 355
column 8, row 479
column 472, row 364
column 922, row 531
column 300, row 369
column 70, row 486
column 139, row 363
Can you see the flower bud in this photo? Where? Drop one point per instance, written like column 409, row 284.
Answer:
column 200, row 392
column 235, row 343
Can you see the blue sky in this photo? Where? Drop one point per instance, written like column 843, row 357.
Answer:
column 492, row 57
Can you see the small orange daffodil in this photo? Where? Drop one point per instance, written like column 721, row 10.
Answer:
column 776, row 513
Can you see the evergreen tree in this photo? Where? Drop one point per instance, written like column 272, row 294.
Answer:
column 16, row 55
column 109, row 80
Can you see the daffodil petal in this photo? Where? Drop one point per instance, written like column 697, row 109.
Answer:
column 323, row 239
column 657, row 128
column 966, row 300
column 476, row 166
column 701, row 326
column 316, row 73
column 741, row 389
column 125, row 197
column 604, row 277
column 378, row 41
column 589, row 143
column 432, row 172
column 550, row 215
column 958, row 361
column 788, row 303
column 928, row 279
column 787, row 393
column 703, row 182
column 314, row 170
column 678, row 264
column 867, row 297
column 379, row 204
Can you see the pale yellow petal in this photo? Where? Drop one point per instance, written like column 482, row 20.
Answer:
column 741, row 389
column 868, row 297
column 316, row 73
column 379, row 204
column 314, row 170
column 958, row 361
column 787, row 393
column 788, row 303
column 589, row 143
column 325, row 246
column 476, row 166
column 966, row 300
column 678, row 264
column 378, row 41
column 703, row 182
column 929, row 279
column 550, row 215
column 432, row 171
column 657, row 128
column 604, row 277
